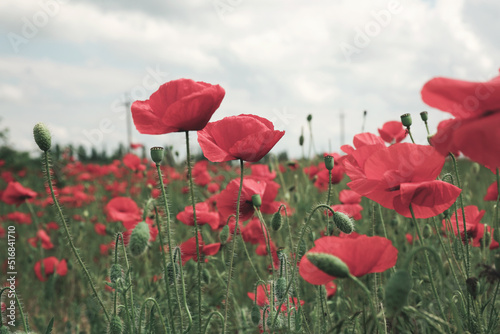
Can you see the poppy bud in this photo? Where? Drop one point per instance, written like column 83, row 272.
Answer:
column 139, row 239
column 115, row 272
column 42, row 136
column 309, row 117
column 343, row 222
column 424, row 115
column 406, row 120
column 205, row 276
column 329, row 264
column 329, row 162
column 473, row 286
column 255, row 314
column 397, row 289
column 157, row 154
column 276, row 221
column 224, row 234
column 280, row 288
column 115, row 325
column 256, row 200
column 301, row 140
column 427, row 231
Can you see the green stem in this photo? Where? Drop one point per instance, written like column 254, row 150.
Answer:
column 129, row 283
column 68, row 234
column 368, row 295
column 429, row 269
column 190, row 319
column 196, row 231
column 267, row 237
column 234, row 243
column 210, row 318
column 467, row 259
column 411, row 137
column 165, row 327
column 169, row 244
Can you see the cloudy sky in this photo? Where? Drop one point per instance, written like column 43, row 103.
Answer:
column 73, row 64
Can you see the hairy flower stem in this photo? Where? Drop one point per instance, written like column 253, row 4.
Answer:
column 234, row 243
column 196, row 231
column 210, row 318
column 169, row 245
column 467, row 258
column 267, row 237
column 155, row 303
column 23, row 319
column 183, row 285
column 127, row 266
column 68, row 234
column 429, row 269
column 370, row 300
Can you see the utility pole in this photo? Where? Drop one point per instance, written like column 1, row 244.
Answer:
column 128, row 116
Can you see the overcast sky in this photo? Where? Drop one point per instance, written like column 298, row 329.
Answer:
column 70, row 63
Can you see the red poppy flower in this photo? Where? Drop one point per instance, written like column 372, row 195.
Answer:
column 200, row 173
column 133, row 162
column 363, row 255
column 226, row 200
column 331, row 289
column 19, row 217
column 492, row 192
column 476, row 107
column 16, row 194
column 51, row 265
column 252, row 232
column 246, row 137
column 474, row 229
column 323, row 175
column 350, row 204
column 262, row 172
column 188, row 249
column 43, row 237
column 263, row 300
column 100, row 229
column 403, row 174
column 392, row 132
column 203, row 216
column 177, row 106
column 123, row 209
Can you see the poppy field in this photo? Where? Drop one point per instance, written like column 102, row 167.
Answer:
column 383, row 236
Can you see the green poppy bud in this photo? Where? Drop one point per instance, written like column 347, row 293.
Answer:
column 256, row 200
column 115, row 272
column 255, row 314
column 205, row 276
column 42, row 136
column 427, row 231
column 343, row 222
column 397, row 289
column 115, row 325
column 157, row 154
column 139, row 239
column 224, row 235
column 276, row 221
column 406, row 120
column 329, row 162
column 301, row 140
column 329, row 264
column 280, row 288
column 424, row 115
column 309, row 117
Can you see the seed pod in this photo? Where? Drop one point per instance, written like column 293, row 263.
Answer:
column 397, row 289
column 115, row 325
column 329, row 163
column 139, row 239
column 256, row 200
column 280, row 288
column 406, row 120
column 301, row 140
column 157, row 154
column 424, row 115
column 255, row 314
column 276, row 221
column 343, row 222
column 329, row 264
column 42, row 136
column 115, row 272
column 309, row 117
